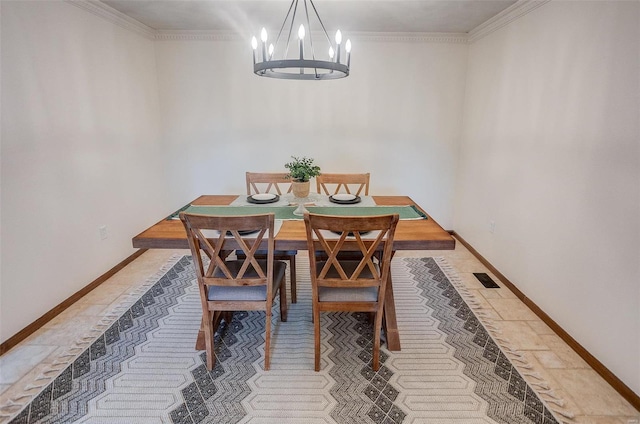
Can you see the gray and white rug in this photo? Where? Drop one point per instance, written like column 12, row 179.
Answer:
column 143, row 368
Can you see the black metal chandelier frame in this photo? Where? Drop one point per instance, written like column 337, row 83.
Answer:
column 301, row 69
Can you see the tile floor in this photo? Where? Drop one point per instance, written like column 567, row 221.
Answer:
column 583, row 393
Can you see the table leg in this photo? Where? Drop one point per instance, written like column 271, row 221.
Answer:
column 391, row 324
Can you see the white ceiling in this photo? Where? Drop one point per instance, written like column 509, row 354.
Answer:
column 248, row 16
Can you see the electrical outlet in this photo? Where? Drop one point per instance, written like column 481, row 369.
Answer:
column 104, row 234
column 492, row 226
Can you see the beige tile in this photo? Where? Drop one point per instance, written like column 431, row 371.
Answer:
column 490, row 293
column 591, row 393
column 606, row 420
column 464, row 264
column 64, row 334
column 470, row 281
column 563, row 351
column 485, row 306
column 540, row 327
column 27, row 387
column 549, row 359
column 520, row 336
column 504, row 291
column 4, row 388
column 16, row 363
column 557, row 397
column 104, row 294
column 79, row 309
column 512, row 309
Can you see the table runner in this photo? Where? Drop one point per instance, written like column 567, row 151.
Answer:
column 288, row 199
column 286, row 212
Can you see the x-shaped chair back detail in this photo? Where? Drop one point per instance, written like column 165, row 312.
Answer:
column 264, row 182
column 343, row 183
column 235, row 285
column 351, row 278
column 350, row 285
column 228, row 228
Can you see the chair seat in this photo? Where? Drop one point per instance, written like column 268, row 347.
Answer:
column 344, row 255
column 287, row 255
column 250, row 293
column 276, row 253
column 341, row 294
column 346, row 294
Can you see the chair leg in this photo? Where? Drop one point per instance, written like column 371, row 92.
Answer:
column 316, row 333
column 376, row 341
column 207, row 326
column 283, row 301
column 292, row 269
column 267, row 338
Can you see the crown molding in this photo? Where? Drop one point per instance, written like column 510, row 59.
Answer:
column 193, row 35
column 115, row 17
column 413, row 37
column 519, row 9
column 454, row 38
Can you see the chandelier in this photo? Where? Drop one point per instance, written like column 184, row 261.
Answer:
column 299, row 67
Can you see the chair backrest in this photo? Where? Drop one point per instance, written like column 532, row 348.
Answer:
column 351, row 183
column 263, row 182
column 333, row 234
column 214, row 235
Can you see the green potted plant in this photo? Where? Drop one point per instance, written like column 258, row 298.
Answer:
column 301, row 170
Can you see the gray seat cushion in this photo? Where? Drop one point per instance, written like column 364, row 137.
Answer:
column 347, row 294
column 262, row 252
column 337, row 294
column 250, row 293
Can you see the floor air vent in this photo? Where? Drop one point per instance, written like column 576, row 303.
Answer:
column 486, row 280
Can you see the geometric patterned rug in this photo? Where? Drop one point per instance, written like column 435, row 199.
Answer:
column 143, row 367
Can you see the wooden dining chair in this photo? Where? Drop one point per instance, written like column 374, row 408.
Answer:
column 264, row 182
column 346, row 183
column 350, row 285
column 235, row 285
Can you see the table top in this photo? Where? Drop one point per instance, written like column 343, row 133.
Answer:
column 416, row 234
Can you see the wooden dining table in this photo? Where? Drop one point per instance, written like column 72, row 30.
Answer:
column 411, row 234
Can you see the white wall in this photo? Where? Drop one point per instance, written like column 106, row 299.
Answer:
column 397, row 116
column 80, row 149
column 551, row 153
column 94, row 133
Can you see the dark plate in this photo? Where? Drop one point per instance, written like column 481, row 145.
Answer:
column 350, row 234
column 345, row 202
column 244, row 232
column 250, row 199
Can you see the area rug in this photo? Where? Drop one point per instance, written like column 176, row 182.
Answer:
column 142, row 367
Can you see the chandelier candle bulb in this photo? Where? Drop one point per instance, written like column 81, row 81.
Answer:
column 301, row 42
column 263, row 37
column 271, row 48
column 254, row 45
column 301, row 36
column 338, row 41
